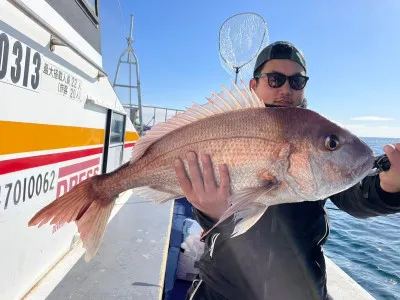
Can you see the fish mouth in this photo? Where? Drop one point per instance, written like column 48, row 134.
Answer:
column 365, row 169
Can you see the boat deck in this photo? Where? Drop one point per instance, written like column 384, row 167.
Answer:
column 132, row 260
column 129, row 265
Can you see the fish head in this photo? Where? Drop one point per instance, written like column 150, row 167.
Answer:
column 329, row 158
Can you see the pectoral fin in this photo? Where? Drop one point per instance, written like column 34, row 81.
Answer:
column 247, row 218
column 243, row 200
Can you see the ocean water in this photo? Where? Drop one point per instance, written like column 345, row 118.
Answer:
column 367, row 249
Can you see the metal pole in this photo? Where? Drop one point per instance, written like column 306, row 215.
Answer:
column 139, row 94
column 131, row 30
column 137, row 78
column 236, row 76
column 130, row 79
column 130, row 63
column 131, row 60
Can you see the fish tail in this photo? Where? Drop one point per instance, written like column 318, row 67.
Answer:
column 87, row 206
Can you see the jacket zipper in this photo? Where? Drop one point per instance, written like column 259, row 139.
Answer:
column 213, row 240
column 326, row 232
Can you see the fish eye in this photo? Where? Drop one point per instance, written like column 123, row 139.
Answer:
column 332, row 142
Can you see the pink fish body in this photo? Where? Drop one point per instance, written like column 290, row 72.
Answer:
column 274, row 155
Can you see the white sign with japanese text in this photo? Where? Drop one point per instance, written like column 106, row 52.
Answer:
column 57, row 79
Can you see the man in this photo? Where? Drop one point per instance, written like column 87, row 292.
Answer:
column 280, row 257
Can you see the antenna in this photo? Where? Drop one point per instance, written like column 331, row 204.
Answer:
column 131, row 54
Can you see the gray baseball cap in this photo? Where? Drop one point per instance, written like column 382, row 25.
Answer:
column 280, row 50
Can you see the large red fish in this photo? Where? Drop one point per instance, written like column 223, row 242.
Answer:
column 274, row 155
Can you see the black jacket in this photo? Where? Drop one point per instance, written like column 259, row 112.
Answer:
column 281, row 257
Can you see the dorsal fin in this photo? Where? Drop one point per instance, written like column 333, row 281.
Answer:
column 225, row 101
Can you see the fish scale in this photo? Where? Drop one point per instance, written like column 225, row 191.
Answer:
column 257, row 154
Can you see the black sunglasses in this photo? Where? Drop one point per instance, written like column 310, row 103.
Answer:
column 276, row 80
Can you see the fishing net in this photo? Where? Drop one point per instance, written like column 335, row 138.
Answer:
column 241, row 38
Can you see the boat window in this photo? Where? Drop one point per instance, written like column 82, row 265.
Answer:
column 91, row 9
column 92, row 5
column 117, row 128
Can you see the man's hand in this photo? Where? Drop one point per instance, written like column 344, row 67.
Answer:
column 390, row 180
column 205, row 195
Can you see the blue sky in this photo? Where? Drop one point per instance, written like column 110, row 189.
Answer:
column 352, row 50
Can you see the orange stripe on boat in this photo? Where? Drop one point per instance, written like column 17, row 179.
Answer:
column 18, row 137
column 131, row 136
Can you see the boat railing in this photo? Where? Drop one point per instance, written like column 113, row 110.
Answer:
column 151, row 114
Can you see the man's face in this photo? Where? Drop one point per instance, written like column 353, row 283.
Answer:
column 284, row 95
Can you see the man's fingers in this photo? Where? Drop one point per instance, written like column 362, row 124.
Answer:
column 184, row 182
column 194, row 172
column 224, row 175
column 208, row 172
column 393, row 153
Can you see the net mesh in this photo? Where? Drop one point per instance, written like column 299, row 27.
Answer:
column 241, row 38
